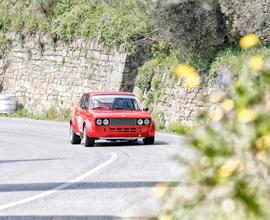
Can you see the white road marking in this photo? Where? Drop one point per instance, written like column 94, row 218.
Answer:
column 114, row 157
column 170, row 135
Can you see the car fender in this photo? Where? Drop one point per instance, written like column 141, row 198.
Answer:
column 152, row 130
column 90, row 126
column 73, row 123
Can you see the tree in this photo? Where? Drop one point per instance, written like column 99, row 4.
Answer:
column 247, row 16
column 198, row 26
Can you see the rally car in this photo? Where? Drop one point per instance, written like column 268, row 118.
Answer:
column 110, row 116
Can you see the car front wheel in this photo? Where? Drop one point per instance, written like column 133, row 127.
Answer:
column 74, row 138
column 149, row 140
column 88, row 142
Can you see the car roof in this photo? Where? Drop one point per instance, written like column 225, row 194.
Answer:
column 109, row 93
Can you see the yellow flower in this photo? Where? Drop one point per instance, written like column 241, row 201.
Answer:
column 229, row 168
column 160, row 190
column 228, row 105
column 216, row 115
column 216, row 96
column 165, row 217
column 256, row 63
column 263, row 142
column 184, row 70
column 261, row 155
column 249, row 41
column 247, row 115
column 192, row 80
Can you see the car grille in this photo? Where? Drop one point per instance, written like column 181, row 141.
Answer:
column 123, row 121
column 123, row 130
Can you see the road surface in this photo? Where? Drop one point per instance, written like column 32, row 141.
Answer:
column 42, row 176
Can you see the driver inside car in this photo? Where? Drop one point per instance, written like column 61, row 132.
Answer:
column 121, row 104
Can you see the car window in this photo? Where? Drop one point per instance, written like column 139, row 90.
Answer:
column 115, row 102
column 84, row 102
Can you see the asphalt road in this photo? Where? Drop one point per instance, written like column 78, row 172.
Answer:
column 42, row 176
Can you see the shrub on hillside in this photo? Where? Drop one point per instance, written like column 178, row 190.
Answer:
column 198, row 26
column 45, row 7
column 112, row 22
column 180, row 129
column 4, row 21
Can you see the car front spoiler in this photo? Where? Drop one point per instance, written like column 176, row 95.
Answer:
column 120, row 138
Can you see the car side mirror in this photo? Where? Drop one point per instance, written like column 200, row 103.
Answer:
column 83, row 106
column 146, row 109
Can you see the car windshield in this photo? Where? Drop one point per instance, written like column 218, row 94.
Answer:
column 115, row 102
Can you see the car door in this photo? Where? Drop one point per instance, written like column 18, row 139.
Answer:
column 83, row 111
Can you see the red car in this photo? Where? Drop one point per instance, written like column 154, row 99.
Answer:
column 110, row 116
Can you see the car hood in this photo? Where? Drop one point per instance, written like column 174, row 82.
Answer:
column 121, row 114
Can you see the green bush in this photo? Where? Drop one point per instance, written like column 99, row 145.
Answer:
column 150, row 75
column 22, row 113
column 235, row 60
column 164, row 60
column 51, row 114
column 111, row 22
column 56, row 115
column 159, row 122
column 17, row 22
column 91, row 22
column 146, row 73
column 65, row 26
column 63, row 6
column 4, row 20
column 180, row 129
column 32, row 22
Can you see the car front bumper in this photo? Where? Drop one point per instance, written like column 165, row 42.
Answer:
column 122, row 132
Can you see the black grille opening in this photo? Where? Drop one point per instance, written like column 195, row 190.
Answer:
column 123, row 121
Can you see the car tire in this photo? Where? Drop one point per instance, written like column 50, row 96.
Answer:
column 88, row 142
column 74, row 138
column 149, row 140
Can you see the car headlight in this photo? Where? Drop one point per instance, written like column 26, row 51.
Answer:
column 146, row 121
column 106, row 122
column 140, row 122
column 99, row 122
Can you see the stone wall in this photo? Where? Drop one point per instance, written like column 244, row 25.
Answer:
column 45, row 74
column 173, row 103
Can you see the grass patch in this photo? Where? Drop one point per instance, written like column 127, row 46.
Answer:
column 113, row 22
column 180, row 129
column 235, row 59
column 22, row 113
column 52, row 114
column 55, row 115
column 159, row 122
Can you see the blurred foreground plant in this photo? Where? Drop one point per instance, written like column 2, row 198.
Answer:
column 230, row 179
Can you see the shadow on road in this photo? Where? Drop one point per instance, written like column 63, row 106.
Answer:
column 79, row 186
column 127, row 144
column 31, row 160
